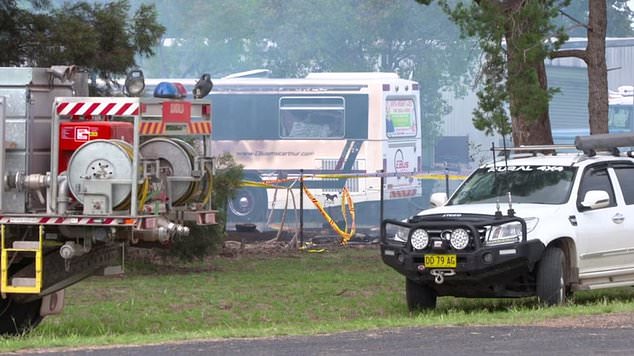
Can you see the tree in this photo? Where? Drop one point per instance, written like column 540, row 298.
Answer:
column 12, row 34
column 594, row 57
column 361, row 35
column 619, row 18
column 600, row 14
column 511, row 71
column 513, row 37
column 101, row 37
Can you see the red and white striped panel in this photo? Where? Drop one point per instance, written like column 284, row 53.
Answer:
column 403, row 193
column 110, row 107
column 48, row 220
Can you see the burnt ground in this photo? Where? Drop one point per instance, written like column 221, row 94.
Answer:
column 323, row 236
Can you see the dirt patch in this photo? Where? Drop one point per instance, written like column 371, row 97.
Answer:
column 602, row 321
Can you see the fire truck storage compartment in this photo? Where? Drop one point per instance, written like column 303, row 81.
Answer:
column 73, row 134
column 29, row 94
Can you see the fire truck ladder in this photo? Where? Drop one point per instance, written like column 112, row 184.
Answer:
column 22, row 285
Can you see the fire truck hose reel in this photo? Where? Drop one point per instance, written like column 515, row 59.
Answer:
column 101, row 161
column 176, row 159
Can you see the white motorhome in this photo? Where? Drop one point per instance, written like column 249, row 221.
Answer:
column 347, row 123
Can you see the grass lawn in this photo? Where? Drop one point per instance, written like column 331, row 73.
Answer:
column 259, row 295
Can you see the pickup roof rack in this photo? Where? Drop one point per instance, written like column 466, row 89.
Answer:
column 589, row 145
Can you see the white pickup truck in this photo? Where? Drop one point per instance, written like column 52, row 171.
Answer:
column 533, row 225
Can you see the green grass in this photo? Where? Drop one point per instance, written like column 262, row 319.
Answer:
column 291, row 294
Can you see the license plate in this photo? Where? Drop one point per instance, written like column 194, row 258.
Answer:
column 440, row 261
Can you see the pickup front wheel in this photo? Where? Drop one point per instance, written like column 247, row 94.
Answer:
column 419, row 296
column 551, row 283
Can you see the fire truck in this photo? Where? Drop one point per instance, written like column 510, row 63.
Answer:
column 83, row 177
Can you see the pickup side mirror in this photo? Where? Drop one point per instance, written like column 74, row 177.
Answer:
column 437, row 199
column 596, row 199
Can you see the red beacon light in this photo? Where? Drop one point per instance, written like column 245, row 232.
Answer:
column 181, row 90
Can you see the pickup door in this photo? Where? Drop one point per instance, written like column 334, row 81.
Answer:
column 605, row 236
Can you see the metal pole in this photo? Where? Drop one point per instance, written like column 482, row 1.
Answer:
column 446, row 180
column 301, row 207
column 381, row 197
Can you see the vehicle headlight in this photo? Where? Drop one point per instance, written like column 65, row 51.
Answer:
column 419, row 239
column 505, row 233
column 396, row 233
column 531, row 224
column 459, row 239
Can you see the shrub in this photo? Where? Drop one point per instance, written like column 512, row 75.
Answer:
column 205, row 240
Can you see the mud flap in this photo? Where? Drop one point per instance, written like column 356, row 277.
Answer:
column 53, row 303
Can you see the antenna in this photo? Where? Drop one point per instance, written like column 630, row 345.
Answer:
column 498, row 213
column 510, row 211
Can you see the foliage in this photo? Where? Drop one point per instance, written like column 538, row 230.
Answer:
column 100, row 37
column 514, row 41
column 360, row 35
column 619, row 18
column 205, row 240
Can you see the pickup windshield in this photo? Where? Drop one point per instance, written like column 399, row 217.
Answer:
column 527, row 184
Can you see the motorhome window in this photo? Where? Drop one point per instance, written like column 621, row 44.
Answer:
column 312, row 117
column 400, row 118
column 244, row 116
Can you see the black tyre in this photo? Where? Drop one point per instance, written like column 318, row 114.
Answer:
column 248, row 205
column 419, row 296
column 551, row 277
column 19, row 318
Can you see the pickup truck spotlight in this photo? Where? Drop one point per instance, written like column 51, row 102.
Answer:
column 459, row 239
column 419, row 239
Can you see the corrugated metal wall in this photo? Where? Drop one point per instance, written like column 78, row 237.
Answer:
column 569, row 107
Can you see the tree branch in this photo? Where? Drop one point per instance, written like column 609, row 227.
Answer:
column 577, row 53
column 575, row 20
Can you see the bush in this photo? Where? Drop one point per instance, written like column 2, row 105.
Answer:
column 205, row 240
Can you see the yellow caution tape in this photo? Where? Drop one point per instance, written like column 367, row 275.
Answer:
column 345, row 199
column 250, row 183
column 430, row 176
column 270, row 184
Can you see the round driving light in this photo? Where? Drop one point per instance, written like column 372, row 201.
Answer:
column 459, row 239
column 487, row 257
column 419, row 239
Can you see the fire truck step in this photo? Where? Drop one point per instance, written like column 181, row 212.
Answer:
column 21, row 285
column 26, row 245
column 23, row 282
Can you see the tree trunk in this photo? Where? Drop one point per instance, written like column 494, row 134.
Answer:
column 535, row 132
column 597, row 69
column 526, row 131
